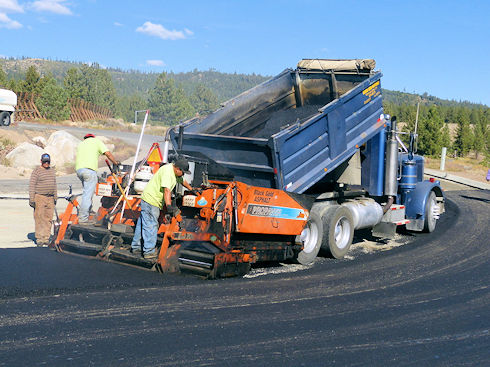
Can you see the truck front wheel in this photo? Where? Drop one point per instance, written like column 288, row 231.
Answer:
column 5, row 118
column 338, row 231
column 432, row 212
column 311, row 238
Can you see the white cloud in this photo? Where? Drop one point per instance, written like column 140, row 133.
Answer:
column 160, row 31
column 10, row 6
column 155, row 62
column 6, row 22
column 51, row 6
column 117, row 24
column 188, row 32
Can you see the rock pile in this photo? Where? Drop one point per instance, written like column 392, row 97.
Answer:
column 61, row 146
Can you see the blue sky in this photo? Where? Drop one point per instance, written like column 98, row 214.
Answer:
column 438, row 47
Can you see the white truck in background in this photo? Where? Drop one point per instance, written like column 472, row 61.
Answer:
column 8, row 101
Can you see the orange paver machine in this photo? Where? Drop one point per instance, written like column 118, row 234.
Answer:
column 223, row 227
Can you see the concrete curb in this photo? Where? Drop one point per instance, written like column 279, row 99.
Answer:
column 25, row 196
column 457, row 179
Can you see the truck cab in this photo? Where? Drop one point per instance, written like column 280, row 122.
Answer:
column 8, row 101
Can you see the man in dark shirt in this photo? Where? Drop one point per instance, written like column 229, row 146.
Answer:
column 42, row 197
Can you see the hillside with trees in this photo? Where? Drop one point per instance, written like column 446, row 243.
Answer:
column 173, row 97
column 131, row 90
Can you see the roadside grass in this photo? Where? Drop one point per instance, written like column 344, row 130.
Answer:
column 122, row 150
column 6, row 146
column 4, row 161
column 469, row 167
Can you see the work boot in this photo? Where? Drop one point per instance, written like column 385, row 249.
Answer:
column 150, row 256
column 136, row 252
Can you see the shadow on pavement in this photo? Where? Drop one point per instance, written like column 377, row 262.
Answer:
column 475, row 198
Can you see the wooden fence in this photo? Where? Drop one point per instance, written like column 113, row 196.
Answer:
column 80, row 110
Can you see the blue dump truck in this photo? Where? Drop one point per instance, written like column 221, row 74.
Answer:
column 319, row 133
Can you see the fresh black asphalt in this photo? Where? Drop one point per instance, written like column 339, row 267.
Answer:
column 426, row 303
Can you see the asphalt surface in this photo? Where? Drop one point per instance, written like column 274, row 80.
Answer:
column 425, row 303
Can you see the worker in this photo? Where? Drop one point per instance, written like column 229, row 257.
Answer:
column 42, row 197
column 156, row 195
column 86, row 165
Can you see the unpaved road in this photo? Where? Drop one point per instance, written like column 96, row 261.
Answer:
column 425, row 303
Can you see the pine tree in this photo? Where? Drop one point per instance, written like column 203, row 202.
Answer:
column 105, row 93
column 481, row 131
column 430, row 135
column 126, row 105
column 74, row 85
column 95, row 86
column 31, row 81
column 203, row 100
column 3, row 78
column 53, row 101
column 486, row 117
column 464, row 135
column 168, row 103
column 12, row 84
column 446, row 137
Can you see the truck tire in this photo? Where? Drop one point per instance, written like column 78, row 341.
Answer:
column 338, row 231
column 311, row 238
column 431, row 213
column 5, row 118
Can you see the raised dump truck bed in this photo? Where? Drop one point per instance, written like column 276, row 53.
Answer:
column 292, row 130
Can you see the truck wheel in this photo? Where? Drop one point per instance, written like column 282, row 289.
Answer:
column 431, row 213
column 5, row 118
column 338, row 231
column 311, row 238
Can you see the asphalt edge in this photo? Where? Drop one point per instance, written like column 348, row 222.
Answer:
column 461, row 180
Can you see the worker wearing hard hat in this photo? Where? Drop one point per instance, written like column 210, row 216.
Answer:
column 86, row 165
column 157, row 195
column 42, row 197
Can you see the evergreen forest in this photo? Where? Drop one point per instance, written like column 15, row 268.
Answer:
column 174, row 97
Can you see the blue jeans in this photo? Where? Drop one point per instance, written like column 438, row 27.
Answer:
column 89, row 182
column 148, row 226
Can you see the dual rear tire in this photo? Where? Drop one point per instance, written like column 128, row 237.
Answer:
column 338, row 225
column 329, row 228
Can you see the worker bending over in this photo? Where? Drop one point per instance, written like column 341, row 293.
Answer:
column 42, row 197
column 86, row 165
column 157, row 193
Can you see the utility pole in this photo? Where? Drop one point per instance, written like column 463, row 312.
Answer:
column 417, row 118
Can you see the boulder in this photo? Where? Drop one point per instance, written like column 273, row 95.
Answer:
column 62, row 147
column 40, row 141
column 26, row 155
column 62, row 135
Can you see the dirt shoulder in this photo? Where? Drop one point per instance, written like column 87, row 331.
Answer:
column 468, row 167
